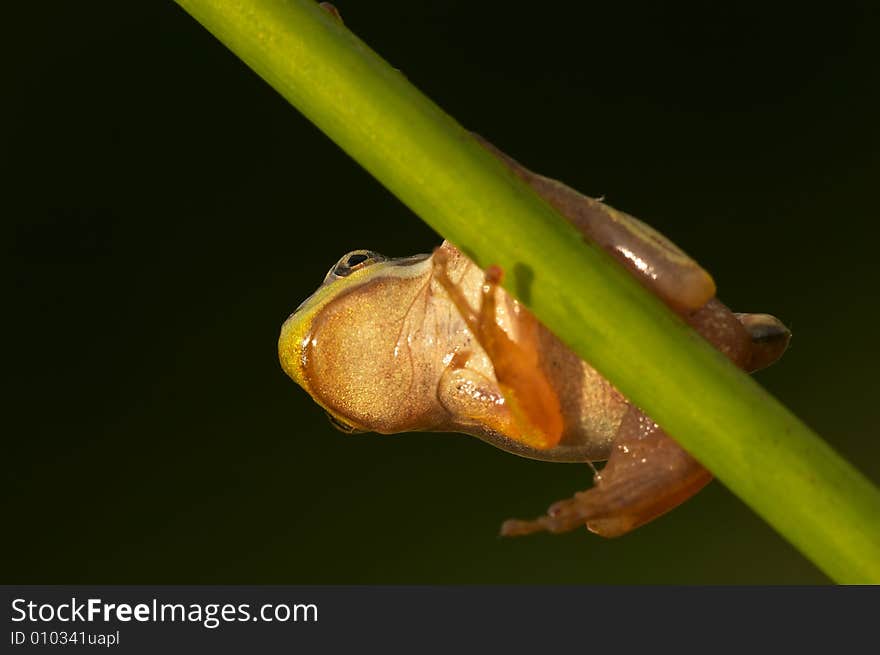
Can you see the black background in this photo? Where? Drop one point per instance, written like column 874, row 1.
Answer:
column 165, row 210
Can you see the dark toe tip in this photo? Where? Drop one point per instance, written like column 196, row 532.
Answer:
column 769, row 338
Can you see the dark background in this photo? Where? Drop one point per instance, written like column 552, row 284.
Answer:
column 165, row 210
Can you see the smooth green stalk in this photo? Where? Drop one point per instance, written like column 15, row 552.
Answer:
column 750, row 441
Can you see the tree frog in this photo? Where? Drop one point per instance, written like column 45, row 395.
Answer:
column 431, row 342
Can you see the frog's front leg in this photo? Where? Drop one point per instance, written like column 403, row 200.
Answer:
column 527, row 409
column 647, row 475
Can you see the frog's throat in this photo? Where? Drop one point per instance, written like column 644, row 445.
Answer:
column 296, row 330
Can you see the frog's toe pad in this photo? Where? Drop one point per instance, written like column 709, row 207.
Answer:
column 769, row 338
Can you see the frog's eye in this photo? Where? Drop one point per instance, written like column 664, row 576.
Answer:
column 354, row 261
column 342, row 426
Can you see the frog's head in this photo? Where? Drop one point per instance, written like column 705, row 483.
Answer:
column 346, row 344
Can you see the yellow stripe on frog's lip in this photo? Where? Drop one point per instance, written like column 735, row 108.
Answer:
column 296, row 330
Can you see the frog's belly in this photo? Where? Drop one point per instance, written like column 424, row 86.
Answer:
column 593, row 410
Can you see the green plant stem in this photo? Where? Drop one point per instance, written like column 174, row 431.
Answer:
column 753, row 444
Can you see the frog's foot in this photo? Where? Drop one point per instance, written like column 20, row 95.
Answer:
column 528, row 396
column 562, row 516
column 332, row 10
column 647, row 475
column 769, row 338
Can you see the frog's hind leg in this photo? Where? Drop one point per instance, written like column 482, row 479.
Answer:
column 650, row 257
column 647, row 475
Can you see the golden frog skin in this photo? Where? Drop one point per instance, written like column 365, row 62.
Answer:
column 432, row 342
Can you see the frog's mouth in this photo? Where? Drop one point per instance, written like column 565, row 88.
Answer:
column 374, row 271
column 409, row 261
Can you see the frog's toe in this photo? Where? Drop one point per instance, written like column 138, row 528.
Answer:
column 769, row 338
column 332, row 10
column 562, row 516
